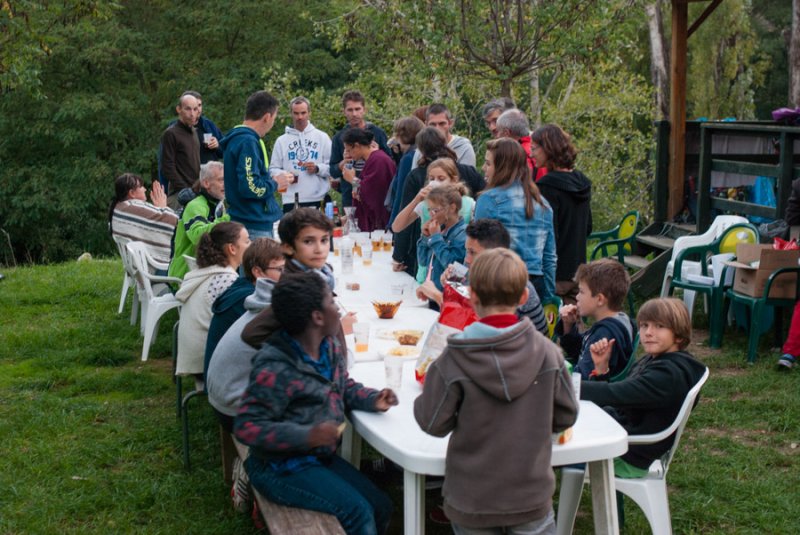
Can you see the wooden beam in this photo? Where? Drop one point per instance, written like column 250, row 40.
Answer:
column 677, row 107
column 703, row 16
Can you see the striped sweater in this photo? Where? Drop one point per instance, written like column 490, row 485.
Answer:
column 141, row 221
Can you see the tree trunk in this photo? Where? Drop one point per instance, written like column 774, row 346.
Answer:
column 536, row 102
column 794, row 56
column 658, row 61
column 505, row 87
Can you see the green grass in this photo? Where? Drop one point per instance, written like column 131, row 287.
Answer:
column 91, row 444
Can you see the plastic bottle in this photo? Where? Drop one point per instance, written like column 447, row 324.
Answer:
column 346, row 253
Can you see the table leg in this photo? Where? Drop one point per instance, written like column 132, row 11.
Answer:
column 413, row 503
column 604, row 497
column 350, row 450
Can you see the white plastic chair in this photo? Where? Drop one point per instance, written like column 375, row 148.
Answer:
column 128, row 280
column 191, row 262
column 153, row 305
column 649, row 492
column 720, row 224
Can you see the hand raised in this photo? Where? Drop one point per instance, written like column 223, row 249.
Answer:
column 601, row 354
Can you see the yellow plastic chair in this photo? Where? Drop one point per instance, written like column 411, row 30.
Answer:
column 551, row 315
column 619, row 240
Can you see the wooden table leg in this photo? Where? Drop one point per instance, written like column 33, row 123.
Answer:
column 413, row 503
column 604, row 497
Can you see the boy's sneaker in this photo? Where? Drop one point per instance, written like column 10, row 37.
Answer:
column 240, row 491
column 786, row 362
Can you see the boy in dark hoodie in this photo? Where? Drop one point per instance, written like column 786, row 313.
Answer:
column 602, row 287
column 649, row 399
column 502, row 388
column 569, row 193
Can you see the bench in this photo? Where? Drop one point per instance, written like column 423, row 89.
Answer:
column 282, row 520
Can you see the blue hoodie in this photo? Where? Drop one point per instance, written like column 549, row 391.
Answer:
column 249, row 190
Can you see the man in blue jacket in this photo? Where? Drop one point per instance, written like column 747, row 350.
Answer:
column 249, row 188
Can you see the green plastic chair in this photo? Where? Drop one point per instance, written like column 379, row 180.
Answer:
column 619, row 240
column 757, row 306
column 726, row 243
column 631, row 361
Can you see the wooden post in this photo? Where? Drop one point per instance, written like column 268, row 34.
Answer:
column 677, row 106
column 704, row 180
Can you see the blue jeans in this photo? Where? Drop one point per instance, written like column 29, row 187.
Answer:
column 259, row 233
column 335, row 487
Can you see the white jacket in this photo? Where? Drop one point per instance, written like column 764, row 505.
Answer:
column 310, row 145
column 199, row 290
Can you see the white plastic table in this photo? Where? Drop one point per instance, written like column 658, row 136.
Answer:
column 596, row 440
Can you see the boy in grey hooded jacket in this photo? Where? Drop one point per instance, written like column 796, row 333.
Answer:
column 502, row 388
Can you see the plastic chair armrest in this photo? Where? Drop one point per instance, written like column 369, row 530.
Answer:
column 775, row 274
column 678, row 265
column 600, row 234
column 164, row 279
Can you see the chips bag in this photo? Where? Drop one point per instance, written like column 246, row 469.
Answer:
column 456, row 313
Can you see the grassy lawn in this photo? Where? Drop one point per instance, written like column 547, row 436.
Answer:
column 91, row 444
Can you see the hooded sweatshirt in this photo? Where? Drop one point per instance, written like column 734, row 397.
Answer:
column 249, row 189
column 569, row 194
column 502, row 392
column 576, row 345
column 462, row 146
column 294, row 146
column 199, row 290
column 648, row 400
column 228, row 308
column 228, row 370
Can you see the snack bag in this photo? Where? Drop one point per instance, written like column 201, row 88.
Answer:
column 782, row 245
column 456, row 314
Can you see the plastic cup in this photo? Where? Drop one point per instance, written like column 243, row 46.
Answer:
column 394, row 372
column 387, row 242
column 206, row 138
column 366, row 253
column 337, row 245
column 361, row 335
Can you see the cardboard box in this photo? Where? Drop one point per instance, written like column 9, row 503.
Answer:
column 755, row 263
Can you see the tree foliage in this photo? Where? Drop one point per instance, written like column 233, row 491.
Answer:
column 87, row 87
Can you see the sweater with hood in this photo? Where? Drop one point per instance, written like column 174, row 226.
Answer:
column 648, row 400
column 309, row 145
column 228, row 370
column 249, row 189
column 501, row 392
column 465, row 154
column 618, row 327
column 228, row 308
column 199, row 290
column 569, row 194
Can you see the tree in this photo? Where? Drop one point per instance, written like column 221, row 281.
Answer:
column 794, row 56
column 659, row 58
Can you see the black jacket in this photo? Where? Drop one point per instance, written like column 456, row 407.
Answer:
column 648, row 400
column 569, row 194
column 405, row 242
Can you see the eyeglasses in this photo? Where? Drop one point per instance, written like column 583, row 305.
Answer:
column 435, row 211
column 279, row 269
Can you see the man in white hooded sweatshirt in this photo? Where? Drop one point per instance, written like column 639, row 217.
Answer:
column 305, row 152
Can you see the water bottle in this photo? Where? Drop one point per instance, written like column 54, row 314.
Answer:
column 346, row 253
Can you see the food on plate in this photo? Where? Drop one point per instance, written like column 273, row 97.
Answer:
column 354, row 286
column 408, row 337
column 386, row 309
column 403, row 351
